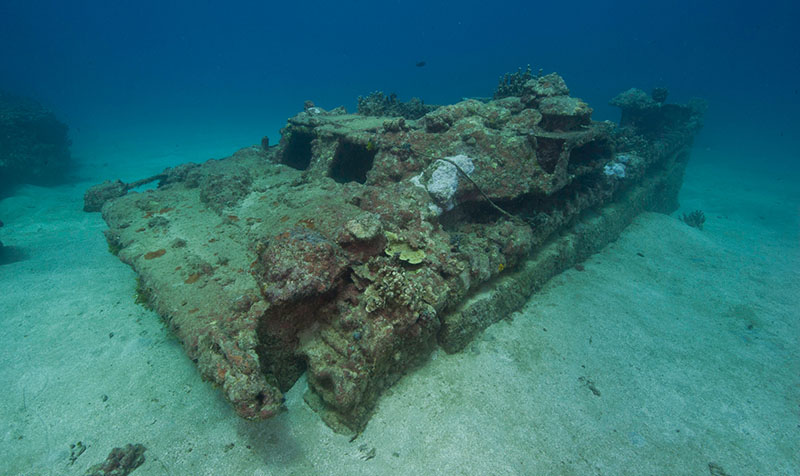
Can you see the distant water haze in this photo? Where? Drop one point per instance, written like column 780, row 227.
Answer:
column 234, row 73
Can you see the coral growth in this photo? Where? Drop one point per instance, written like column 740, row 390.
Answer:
column 695, row 219
column 34, row 147
column 513, row 84
column 379, row 104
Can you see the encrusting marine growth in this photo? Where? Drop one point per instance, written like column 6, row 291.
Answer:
column 359, row 243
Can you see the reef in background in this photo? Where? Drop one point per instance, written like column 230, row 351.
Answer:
column 350, row 250
column 34, row 147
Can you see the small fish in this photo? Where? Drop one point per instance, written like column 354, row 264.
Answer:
column 420, row 64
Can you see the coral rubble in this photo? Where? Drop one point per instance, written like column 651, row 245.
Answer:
column 353, row 248
column 120, row 462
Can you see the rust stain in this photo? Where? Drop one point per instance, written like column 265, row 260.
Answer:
column 308, row 223
column 155, row 254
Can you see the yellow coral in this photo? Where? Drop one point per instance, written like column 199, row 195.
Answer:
column 395, row 246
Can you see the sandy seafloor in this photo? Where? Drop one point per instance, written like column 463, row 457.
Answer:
column 673, row 349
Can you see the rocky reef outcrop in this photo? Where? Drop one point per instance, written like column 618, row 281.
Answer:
column 359, row 243
column 34, row 147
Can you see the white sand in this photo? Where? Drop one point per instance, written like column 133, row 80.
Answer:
column 693, row 350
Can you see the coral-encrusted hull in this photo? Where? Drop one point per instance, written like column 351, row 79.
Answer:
column 350, row 250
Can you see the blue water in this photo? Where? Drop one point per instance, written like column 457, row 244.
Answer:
column 241, row 69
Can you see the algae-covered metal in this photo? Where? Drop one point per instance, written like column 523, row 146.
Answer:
column 350, row 250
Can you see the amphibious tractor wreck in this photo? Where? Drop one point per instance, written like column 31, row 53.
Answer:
column 359, row 243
